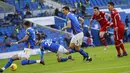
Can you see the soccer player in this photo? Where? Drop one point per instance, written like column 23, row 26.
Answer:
column 29, row 40
column 118, row 30
column 100, row 16
column 47, row 44
column 76, row 41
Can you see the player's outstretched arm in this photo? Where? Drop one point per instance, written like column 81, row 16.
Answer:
column 90, row 24
column 22, row 40
column 68, row 26
column 82, row 21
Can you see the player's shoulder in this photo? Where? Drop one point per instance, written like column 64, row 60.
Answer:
column 114, row 11
column 29, row 29
column 102, row 12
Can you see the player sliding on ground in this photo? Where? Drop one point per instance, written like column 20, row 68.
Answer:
column 47, row 44
column 100, row 16
column 118, row 30
column 29, row 40
column 76, row 41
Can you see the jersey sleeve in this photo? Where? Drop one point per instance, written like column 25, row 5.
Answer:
column 28, row 32
column 103, row 13
column 68, row 19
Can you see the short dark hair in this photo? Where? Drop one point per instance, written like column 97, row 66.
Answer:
column 27, row 23
column 96, row 8
column 111, row 3
column 66, row 8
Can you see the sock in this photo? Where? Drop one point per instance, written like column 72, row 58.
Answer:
column 26, row 62
column 122, row 47
column 72, row 51
column 82, row 52
column 117, row 44
column 118, row 50
column 104, row 41
column 8, row 64
column 42, row 54
column 63, row 59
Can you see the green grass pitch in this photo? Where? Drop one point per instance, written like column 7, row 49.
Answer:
column 104, row 61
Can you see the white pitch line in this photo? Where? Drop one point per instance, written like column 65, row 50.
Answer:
column 90, row 69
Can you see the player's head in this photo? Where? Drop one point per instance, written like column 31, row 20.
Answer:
column 26, row 24
column 110, row 5
column 96, row 10
column 65, row 10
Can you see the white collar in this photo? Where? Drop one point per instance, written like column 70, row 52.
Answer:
column 28, row 28
column 68, row 13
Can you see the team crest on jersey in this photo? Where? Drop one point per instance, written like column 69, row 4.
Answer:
column 27, row 33
column 68, row 19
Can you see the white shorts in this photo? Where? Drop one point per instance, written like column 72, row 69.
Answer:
column 61, row 51
column 77, row 39
column 25, row 53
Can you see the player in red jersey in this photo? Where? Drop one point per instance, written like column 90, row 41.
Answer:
column 100, row 16
column 118, row 30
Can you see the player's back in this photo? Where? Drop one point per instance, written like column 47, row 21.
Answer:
column 101, row 18
column 49, row 45
column 75, row 25
column 116, row 18
column 30, row 43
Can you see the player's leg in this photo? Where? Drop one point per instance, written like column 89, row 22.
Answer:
column 25, row 55
column 78, row 43
column 101, row 34
column 60, row 52
column 10, row 61
column 71, row 47
column 59, row 57
column 121, row 41
column 117, row 45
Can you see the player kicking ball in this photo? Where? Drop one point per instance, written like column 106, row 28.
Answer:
column 47, row 44
column 29, row 40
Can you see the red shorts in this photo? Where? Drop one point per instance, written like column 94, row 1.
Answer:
column 103, row 28
column 119, row 34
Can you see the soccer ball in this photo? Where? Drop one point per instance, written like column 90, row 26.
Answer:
column 13, row 67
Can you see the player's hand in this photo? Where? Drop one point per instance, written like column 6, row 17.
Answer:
column 13, row 43
column 63, row 29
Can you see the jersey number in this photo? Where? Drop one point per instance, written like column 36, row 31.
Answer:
column 48, row 42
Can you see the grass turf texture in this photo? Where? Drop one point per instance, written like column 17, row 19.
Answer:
column 104, row 61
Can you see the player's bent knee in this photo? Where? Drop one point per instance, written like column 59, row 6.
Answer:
column 59, row 59
column 15, row 57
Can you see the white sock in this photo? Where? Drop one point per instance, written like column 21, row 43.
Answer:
column 3, row 68
column 38, row 61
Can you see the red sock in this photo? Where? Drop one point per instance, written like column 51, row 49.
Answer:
column 118, row 49
column 104, row 41
column 122, row 47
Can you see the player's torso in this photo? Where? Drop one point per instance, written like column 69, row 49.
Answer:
column 101, row 19
column 30, row 43
column 116, row 19
column 75, row 25
column 49, row 45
